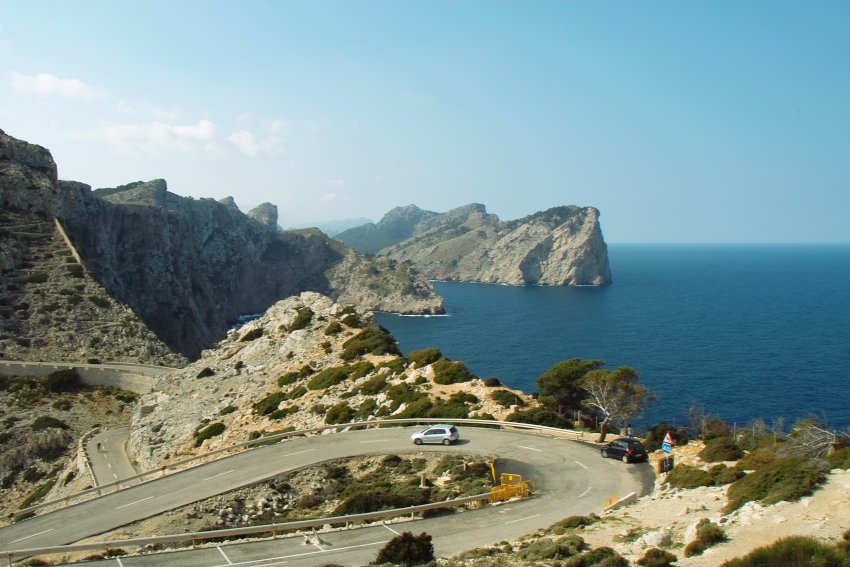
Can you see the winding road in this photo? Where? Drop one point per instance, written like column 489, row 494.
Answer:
column 571, row 479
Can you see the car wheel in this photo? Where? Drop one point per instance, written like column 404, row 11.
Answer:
column 625, row 458
column 604, row 454
column 447, row 442
column 417, row 441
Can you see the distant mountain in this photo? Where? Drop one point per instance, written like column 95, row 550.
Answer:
column 332, row 228
column 189, row 267
column 559, row 246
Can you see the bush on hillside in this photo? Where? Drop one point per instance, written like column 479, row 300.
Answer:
column 211, row 430
column 451, row 372
column 47, row 422
column 292, row 377
column 506, row 398
column 420, row 407
column 424, row 357
column 539, row 416
column 721, row 449
column 369, row 341
column 373, row 385
column 755, row 460
column 302, row 319
column 794, row 551
column 597, row 557
column 328, row 377
column 205, row 372
column 840, row 459
column 544, row 549
column 787, row 479
column 407, row 549
column 352, row 320
column 340, row 413
column 655, row 436
column 252, row 335
column 333, row 328
column 296, row 392
column 656, row 557
column 708, row 534
column 492, row 382
column 396, row 365
column 572, row 523
column 269, row 404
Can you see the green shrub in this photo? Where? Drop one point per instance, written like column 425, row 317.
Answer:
column 205, row 372
column 539, row 416
column 755, row 460
column 352, row 320
column 715, row 428
column 655, row 557
column 787, row 479
column 333, row 328
column 339, row 413
column 99, row 301
column 62, row 404
column 492, row 382
column 708, row 534
column 367, row 408
column 794, row 551
column 369, row 341
column 66, row 380
column 424, row 357
column 360, row 369
column 226, row 410
column 598, row 557
column 721, row 449
column 655, row 436
column 36, row 277
column 283, row 412
column 48, row 422
column 362, row 502
column 572, row 523
column 541, row 550
column 37, row 494
column 251, row 335
column 292, row 377
column 396, row 365
column 74, row 270
column 407, row 549
column 840, row 459
column 373, row 385
column 506, row 398
column 418, row 408
column 451, row 372
column 328, row 377
column 403, row 394
column 302, row 319
column 296, row 393
column 211, row 430
column 269, row 403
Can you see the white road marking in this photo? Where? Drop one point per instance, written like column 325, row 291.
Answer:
column 299, row 452
column 585, row 492
column 31, row 535
column 118, row 559
column 375, row 441
column 522, row 519
column 530, row 448
column 131, row 503
column 219, row 474
column 392, row 530
column 282, row 559
column 580, row 464
column 226, row 558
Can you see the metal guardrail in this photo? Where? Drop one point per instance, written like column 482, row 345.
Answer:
column 177, row 466
column 235, row 532
column 147, row 369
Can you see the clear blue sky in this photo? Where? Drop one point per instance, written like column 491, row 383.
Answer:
column 703, row 121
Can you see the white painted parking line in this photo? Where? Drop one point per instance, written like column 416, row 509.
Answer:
column 580, row 464
column 118, row 559
column 530, row 448
column 226, row 558
column 585, row 492
column 271, row 561
column 131, row 503
column 31, row 535
column 392, row 530
column 219, row 474
column 522, row 519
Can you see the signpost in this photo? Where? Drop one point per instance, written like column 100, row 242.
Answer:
column 665, row 465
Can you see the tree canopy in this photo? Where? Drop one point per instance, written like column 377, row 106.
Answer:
column 559, row 386
column 616, row 396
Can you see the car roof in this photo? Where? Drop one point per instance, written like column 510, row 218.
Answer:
column 444, row 425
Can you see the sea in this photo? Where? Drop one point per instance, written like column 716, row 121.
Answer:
column 745, row 332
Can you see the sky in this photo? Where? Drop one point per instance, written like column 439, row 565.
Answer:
column 700, row 121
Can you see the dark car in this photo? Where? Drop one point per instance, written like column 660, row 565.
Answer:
column 627, row 449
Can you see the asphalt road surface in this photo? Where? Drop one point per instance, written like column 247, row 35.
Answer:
column 571, row 479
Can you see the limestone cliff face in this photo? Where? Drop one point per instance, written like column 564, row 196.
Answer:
column 559, row 246
column 188, row 267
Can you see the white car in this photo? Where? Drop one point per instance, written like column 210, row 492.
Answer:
column 440, row 433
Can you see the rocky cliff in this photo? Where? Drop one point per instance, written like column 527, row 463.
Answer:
column 559, row 246
column 188, row 267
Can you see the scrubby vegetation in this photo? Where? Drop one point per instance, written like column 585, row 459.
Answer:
column 572, row 523
column 370, row 341
column 787, row 478
column 269, row 404
column 424, row 357
column 794, row 552
column 252, row 335
column 292, row 377
column 708, row 534
column 721, row 449
column 407, row 549
column 451, row 372
column 538, row 416
column 302, row 319
column 208, row 432
column 685, row 476
column 655, row 557
column 506, row 398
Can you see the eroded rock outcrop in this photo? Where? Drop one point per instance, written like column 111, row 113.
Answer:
column 559, row 246
column 188, row 267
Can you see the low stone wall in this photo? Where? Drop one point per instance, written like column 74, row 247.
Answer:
column 139, row 380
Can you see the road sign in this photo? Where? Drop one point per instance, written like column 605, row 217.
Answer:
column 665, row 447
column 667, row 443
column 668, row 439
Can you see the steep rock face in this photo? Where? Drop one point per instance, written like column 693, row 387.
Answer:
column 559, row 246
column 187, row 267
column 397, row 225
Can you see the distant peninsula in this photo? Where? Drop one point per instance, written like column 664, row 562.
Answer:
column 559, row 246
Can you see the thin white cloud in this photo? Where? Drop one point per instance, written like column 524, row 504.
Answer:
column 156, row 137
column 328, row 197
column 338, row 182
column 45, row 84
column 268, row 142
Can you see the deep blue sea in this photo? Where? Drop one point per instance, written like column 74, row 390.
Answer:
column 747, row 331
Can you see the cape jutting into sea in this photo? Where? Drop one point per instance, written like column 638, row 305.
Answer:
column 746, row 331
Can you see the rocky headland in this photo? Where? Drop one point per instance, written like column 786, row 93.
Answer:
column 188, row 267
column 559, row 246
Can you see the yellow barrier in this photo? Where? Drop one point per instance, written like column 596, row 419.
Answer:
column 511, row 486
